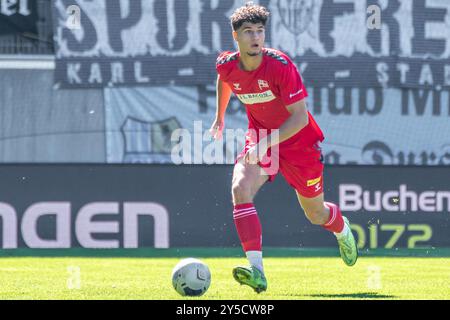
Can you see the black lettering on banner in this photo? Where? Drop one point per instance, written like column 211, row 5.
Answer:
column 378, row 103
column 388, row 20
column 346, row 107
column 422, row 15
column 406, row 158
column 202, row 98
column 377, row 152
column 448, row 103
column 116, row 24
column 332, row 157
column 427, row 158
column 172, row 24
column 444, row 160
column 419, row 101
column 420, row 98
column 317, row 100
column 89, row 39
column 189, row 36
column 218, row 16
column 436, row 103
column 405, row 101
column 330, row 9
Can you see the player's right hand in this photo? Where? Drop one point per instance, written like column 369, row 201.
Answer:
column 217, row 129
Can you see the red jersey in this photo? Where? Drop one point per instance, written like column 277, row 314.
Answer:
column 266, row 92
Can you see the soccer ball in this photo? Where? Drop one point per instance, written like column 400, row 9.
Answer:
column 191, row 277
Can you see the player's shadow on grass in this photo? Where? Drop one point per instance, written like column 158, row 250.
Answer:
column 361, row 295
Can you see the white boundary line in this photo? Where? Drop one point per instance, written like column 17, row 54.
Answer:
column 27, row 62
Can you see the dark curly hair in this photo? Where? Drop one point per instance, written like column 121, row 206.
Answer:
column 252, row 13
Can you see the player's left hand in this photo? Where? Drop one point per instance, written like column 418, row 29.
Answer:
column 251, row 157
column 216, row 130
column 254, row 153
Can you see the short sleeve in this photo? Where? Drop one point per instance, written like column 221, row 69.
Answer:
column 221, row 66
column 290, row 84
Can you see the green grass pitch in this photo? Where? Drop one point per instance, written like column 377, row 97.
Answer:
column 298, row 277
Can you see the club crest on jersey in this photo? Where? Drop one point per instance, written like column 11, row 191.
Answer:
column 263, row 84
column 237, row 86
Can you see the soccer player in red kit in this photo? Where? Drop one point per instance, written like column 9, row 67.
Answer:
column 282, row 130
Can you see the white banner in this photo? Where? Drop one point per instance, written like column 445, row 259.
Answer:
column 361, row 126
column 159, row 42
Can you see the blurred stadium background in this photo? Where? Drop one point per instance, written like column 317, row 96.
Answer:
column 91, row 92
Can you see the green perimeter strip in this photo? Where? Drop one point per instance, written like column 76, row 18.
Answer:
column 219, row 252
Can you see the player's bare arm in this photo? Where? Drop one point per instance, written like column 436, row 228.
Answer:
column 222, row 99
column 294, row 124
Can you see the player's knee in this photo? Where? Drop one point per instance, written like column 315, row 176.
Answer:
column 241, row 192
column 316, row 216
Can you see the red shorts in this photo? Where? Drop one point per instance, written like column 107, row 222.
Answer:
column 302, row 167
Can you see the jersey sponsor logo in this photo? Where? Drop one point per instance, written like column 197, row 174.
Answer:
column 313, row 181
column 295, row 94
column 263, row 84
column 253, row 98
column 237, row 86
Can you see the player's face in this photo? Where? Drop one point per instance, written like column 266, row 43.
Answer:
column 250, row 38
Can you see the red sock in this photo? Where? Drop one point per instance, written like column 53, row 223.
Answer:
column 335, row 222
column 248, row 227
